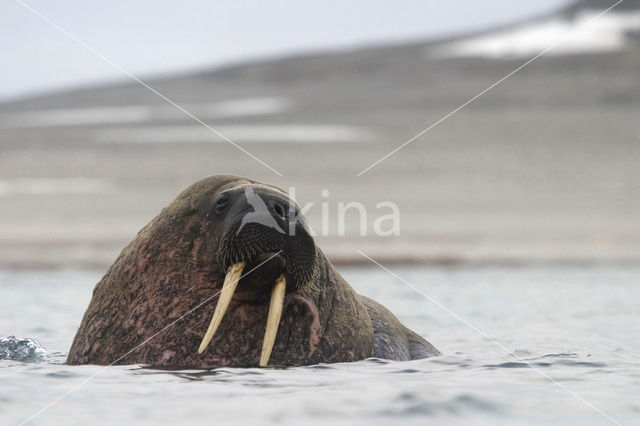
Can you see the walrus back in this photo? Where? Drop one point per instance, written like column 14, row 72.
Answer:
column 392, row 340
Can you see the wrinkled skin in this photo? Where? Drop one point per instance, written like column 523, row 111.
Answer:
column 179, row 260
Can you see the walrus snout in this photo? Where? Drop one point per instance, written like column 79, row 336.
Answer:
column 259, row 220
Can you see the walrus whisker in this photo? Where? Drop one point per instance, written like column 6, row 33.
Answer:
column 228, row 288
column 273, row 320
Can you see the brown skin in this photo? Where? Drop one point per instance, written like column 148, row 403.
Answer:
column 179, row 260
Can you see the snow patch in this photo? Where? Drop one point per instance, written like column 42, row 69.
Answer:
column 263, row 133
column 54, row 186
column 606, row 34
column 125, row 114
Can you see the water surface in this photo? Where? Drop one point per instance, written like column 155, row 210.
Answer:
column 579, row 327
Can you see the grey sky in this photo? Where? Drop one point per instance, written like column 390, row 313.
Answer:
column 151, row 37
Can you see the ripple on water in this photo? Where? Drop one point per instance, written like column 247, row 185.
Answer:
column 406, row 371
column 557, row 362
column 63, row 374
column 571, row 363
column 560, row 355
column 412, row 404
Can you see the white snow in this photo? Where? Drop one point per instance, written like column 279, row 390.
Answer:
column 230, row 108
column 54, row 186
column 250, row 133
column 605, row 34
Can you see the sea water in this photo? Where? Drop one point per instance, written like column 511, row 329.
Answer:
column 543, row 345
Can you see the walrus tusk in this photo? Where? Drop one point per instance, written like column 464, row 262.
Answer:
column 228, row 288
column 273, row 320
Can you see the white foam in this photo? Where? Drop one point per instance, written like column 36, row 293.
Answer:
column 54, row 186
column 292, row 133
column 606, row 34
column 145, row 113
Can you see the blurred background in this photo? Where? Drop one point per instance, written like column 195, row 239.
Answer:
column 543, row 168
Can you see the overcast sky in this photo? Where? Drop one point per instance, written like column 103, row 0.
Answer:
column 148, row 37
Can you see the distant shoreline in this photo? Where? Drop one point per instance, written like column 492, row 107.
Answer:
column 355, row 262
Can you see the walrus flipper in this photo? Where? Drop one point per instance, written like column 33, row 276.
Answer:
column 392, row 340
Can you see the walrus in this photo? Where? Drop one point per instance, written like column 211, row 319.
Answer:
column 245, row 248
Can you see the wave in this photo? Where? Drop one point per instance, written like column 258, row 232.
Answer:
column 22, row 349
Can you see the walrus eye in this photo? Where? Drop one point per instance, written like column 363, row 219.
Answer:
column 222, row 202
